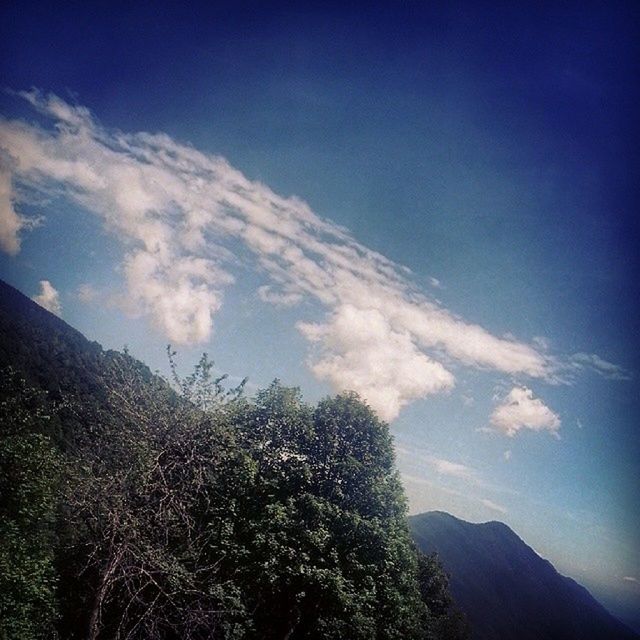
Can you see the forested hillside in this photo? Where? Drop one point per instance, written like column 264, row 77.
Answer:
column 135, row 507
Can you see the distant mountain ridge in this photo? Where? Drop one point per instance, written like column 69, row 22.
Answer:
column 506, row 589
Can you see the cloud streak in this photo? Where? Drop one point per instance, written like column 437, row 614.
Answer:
column 186, row 219
column 593, row 362
column 426, row 495
column 494, row 506
column 455, row 469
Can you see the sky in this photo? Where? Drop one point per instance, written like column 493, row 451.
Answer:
column 432, row 204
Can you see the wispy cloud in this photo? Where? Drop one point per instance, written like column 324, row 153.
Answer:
column 493, row 506
column 521, row 410
column 440, row 466
column 426, row 494
column 467, row 400
column 279, row 298
column 426, row 465
column 87, row 293
column 186, row 219
column 49, row 298
column 593, row 362
column 455, row 469
column 10, row 222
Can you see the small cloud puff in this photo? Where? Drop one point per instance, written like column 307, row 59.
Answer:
column 48, row 298
column 520, row 410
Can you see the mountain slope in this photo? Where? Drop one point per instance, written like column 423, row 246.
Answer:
column 52, row 355
column 507, row 590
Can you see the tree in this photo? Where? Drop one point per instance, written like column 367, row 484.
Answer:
column 353, row 453
column 29, row 473
column 151, row 487
column 324, row 522
column 145, row 510
column 445, row 621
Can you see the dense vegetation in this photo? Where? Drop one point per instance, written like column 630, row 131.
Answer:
column 136, row 508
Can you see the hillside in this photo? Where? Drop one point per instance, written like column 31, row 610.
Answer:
column 51, row 354
column 507, row 590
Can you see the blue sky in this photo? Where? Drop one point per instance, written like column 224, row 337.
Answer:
column 436, row 206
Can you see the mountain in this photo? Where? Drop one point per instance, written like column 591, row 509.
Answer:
column 51, row 354
column 506, row 589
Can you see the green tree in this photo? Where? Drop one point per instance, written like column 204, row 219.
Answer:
column 353, row 455
column 445, row 621
column 324, row 522
column 29, row 472
column 150, row 502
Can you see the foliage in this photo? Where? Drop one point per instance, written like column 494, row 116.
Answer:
column 328, row 545
column 29, row 467
column 446, row 621
column 151, row 485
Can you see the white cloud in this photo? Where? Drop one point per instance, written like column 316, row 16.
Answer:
column 493, row 506
column 48, row 298
column 180, row 294
column 186, row 218
column 11, row 222
column 55, row 106
column 435, row 283
column 507, row 455
column 360, row 350
column 630, row 579
column 520, row 410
